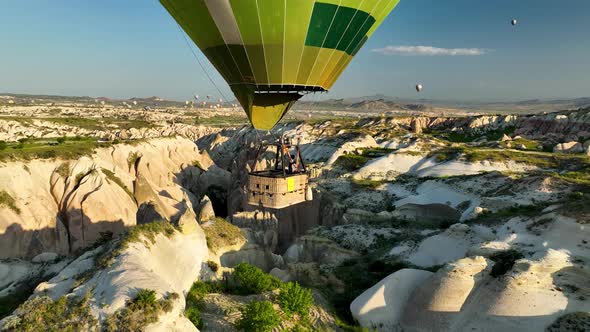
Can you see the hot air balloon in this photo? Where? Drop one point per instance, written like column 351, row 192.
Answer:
column 419, row 87
column 272, row 52
column 514, row 22
column 135, row 103
column 196, row 97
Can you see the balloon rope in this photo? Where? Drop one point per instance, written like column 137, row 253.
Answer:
column 199, row 61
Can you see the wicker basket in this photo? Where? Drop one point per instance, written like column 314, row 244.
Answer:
column 276, row 191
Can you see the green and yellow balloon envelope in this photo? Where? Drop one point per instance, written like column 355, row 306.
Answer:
column 270, row 52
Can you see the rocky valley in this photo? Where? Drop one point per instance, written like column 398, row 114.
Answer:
column 138, row 221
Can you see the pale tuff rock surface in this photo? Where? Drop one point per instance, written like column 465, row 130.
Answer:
column 169, row 265
column 569, row 147
column 64, row 205
column 388, row 167
column 382, row 305
column 550, row 281
column 12, row 130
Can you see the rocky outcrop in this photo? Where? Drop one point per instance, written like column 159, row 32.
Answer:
column 569, row 147
column 12, row 130
column 168, row 265
column 63, row 206
column 381, row 306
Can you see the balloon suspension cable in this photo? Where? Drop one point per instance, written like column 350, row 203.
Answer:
column 188, row 44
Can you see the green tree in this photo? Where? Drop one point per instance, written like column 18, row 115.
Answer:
column 259, row 317
column 253, row 280
column 295, row 299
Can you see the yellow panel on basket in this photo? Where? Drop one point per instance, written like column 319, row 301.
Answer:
column 290, row 184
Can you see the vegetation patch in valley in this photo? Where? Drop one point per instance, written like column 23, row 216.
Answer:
column 66, row 148
column 220, row 233
column 283, row 302
column 100, row 123
column 9, row 202
column 138, row 313
column 357, row 275
column 112, row 177
column 44, row 314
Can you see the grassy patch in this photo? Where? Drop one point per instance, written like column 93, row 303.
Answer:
column 139, row 312
column 100, row 124
column 538, row 159
column 111, row 177
column 44, row 314
column 63, row 169
column 514, row 211
column 222, row 121
column 351, row 162
column 466, row 137
column 8, row 201
column 30, row 149
column 132, row 159
column 527, row 143
column 376, row 152
column 367, row 184
column 220, row 233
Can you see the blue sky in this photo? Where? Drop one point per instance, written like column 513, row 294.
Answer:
column 133, row 48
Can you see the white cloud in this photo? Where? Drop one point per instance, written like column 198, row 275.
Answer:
column 428, row 50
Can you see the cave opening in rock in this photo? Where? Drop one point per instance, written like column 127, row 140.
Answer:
column 218, row 197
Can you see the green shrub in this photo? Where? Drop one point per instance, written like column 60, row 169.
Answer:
column 259, row 317
column 8, row 201
column 213, row 266
column 112, row 177
column 61, row 140
column 3, row 145
column 145, row 298
column 63, row 169
column 139, row 312
column 132, row 159
column 65, row 314
column 252, row 280
column 194, row 315
column 295, row 299
column 195, row 297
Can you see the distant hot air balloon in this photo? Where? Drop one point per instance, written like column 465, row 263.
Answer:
column 135, row 103
column 514, row 22
column 196, row 97
column 419, row 87
column 208, row 97
column 298, row 46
